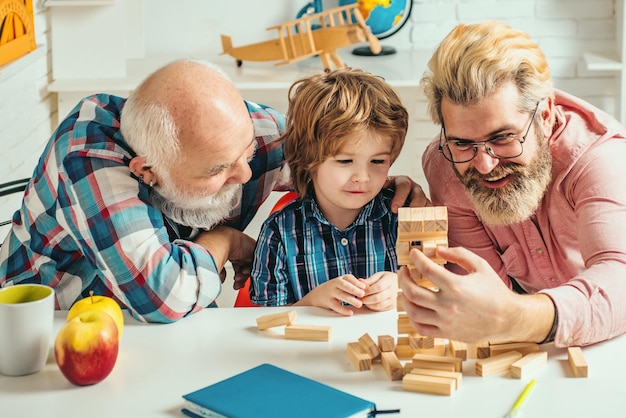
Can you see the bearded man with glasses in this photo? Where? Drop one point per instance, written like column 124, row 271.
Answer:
column 533, row 181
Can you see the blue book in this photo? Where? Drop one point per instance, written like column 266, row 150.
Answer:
column 269, row 391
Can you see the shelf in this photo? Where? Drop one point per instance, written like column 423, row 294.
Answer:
column 399, row 70
column 76, row 3
column 598, row 62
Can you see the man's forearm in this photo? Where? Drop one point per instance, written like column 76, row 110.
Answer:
column 218, row 243
column 533, row 318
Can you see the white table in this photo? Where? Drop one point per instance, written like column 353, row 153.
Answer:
column 157, row 364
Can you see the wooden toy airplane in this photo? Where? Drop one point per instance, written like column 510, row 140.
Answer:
column 297, row 40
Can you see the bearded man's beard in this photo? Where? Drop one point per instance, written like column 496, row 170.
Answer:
column 195, row 210
column 519, row 199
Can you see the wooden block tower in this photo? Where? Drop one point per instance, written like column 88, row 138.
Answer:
column 424, row 229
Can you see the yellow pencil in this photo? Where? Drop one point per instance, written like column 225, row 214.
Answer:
column 520, row 400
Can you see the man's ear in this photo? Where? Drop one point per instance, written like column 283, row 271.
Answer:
column 548, row 117
column 140, row 169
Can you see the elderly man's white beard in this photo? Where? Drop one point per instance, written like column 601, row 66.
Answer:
column 194, row 210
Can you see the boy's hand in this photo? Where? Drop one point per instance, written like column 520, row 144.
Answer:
column 381, row 292
column 331, row 294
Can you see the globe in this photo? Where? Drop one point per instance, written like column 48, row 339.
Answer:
column 384, row 18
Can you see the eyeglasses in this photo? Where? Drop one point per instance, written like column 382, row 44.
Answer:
column 502, row 147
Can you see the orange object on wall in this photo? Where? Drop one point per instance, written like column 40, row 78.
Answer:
column 17, row 29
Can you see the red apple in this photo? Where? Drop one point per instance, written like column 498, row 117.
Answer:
column 86, row 347
column 102, row 303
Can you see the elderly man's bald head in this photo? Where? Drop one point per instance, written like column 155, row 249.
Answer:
column 177, row 106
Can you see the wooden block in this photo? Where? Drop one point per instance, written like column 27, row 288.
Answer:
column 422, row 228
column 369, row 346
column 458, row 377
column 524, row 348
column 577, row 361
column 501, row 362
column 482, row 350
column 427, row 284
column 528, row 364
column 399, row 306
column 403, row 340
column 417, row 341
column 428, row 384
column 308, row 332
column 438, row 350
column 386, row 343
column 359, row 359
column 404, row 351
column 427, row 361
column 407, row 351
column 408, row 366
column 471, row 350
column 276, row 319
column 429, row 248
column 404, row 325
column 392, row 365
column 458, row 349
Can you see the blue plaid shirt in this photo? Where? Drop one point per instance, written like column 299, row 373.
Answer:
column 298, row 249
column 87, row 224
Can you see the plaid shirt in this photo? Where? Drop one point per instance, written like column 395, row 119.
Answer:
column 87, row 224
column 298, row 249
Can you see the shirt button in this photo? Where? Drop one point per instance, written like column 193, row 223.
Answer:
column 344, row 241
column 539, row 251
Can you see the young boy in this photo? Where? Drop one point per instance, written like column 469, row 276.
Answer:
column 335, row 244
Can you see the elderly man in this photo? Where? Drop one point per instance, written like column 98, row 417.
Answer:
column 129, row 196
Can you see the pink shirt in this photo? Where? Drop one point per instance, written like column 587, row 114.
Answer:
column 574, row 247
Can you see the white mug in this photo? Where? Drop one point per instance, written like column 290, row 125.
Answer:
column 26, row 323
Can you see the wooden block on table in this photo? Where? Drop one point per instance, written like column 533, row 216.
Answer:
column 417, row 341
column 471, row 350
column 308, row 332
column 439, row 348
column 577, row 361
column 359, row 359
column 458, row 349
column 427, row 361
column 404, row 351
column 386, row 343
column 458, row 377
column 524, row 348
column 392, row 365
column 428, row 384
column 369, row 346
column 495, row 364
column 528, row 364
column 482, row 350
column 276, row 319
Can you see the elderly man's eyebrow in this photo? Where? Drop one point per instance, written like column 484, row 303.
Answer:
column 219, row 168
